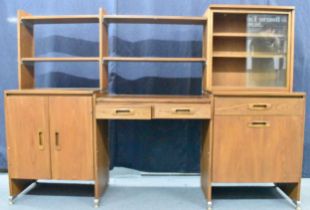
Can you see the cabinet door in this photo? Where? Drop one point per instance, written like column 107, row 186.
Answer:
column 71, row 137
column 257, row 149
column 27, row 137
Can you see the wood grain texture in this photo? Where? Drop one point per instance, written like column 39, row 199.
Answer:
column 249, row 7
column 206, row 156
column 25, row 48
column 243, row 153
column 26, row 60
column 28, row 137
column 153, row 59
column 53, row 91
column 209, row 43
column 61, row 19
column 154, row 19
column 150, row 99
column 103, row 51
column 182, row 111
column 71, row 136
column 101, row 155
column 123, row 111
column 258, row 106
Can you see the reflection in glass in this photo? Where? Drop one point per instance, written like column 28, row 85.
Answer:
column 266, row 47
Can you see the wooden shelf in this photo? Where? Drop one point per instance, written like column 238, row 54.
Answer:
column 153, row 59
column 154, row 98
column 61, row 19
column 234, row 34
column 53, row 91
column 155, row 19
column 60, row 59
column 246, row 55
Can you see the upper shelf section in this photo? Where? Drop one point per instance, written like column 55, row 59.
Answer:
column 65, row 19
column 155, row 19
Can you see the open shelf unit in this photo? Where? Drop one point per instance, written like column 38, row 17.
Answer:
column 26, row 56
column 250, row 49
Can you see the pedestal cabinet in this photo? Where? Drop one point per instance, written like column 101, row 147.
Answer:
column 258, row 139
column 49, row 137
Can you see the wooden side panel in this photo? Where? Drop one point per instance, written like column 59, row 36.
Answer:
column 28, row 137
column 25, row 43
column 102, row 160
column 71, row 137
column 257, row 148
column 103, row 51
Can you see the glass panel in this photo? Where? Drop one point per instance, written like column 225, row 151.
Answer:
column 266, row 50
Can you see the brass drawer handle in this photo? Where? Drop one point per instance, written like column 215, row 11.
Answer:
column 41, row 145
column 259, row 124
column 182, row 111
column 57, row 142
column 259, row 106
column 123, row 111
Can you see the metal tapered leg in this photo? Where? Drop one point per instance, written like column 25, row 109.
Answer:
column 11, row 200
column 209, row 205
column 298, row 205
column 96, row 203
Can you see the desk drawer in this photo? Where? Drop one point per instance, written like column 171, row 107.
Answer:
column 182, row 111
column 259, row 106
column 123, row 112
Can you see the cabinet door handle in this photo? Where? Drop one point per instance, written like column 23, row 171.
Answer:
column 41, row 145
column 123, row 111
column 259, row 106
column 259, row 124
column 57, row 143
column 182, row 111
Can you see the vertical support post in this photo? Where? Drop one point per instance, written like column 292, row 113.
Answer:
column 209, row 47
column 25, row 43
column 103, row 51
column 291, row 47
column 206, row 158
column 101, row 156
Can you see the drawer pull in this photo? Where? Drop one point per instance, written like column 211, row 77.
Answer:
column 41, row 146
column 57, row 142
column 259, row 124
column 123, row 111
column 182, row 111
column 259, row 107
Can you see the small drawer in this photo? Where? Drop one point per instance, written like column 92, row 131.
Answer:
column 259, row 106
column 182, row 111
column 123, row 112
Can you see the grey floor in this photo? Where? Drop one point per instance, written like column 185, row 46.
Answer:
column 132, row 191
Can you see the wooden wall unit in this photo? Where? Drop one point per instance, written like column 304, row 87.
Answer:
column 253, row 122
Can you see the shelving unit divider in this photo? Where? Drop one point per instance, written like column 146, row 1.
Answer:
column 25, row 43
column 103, row 51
